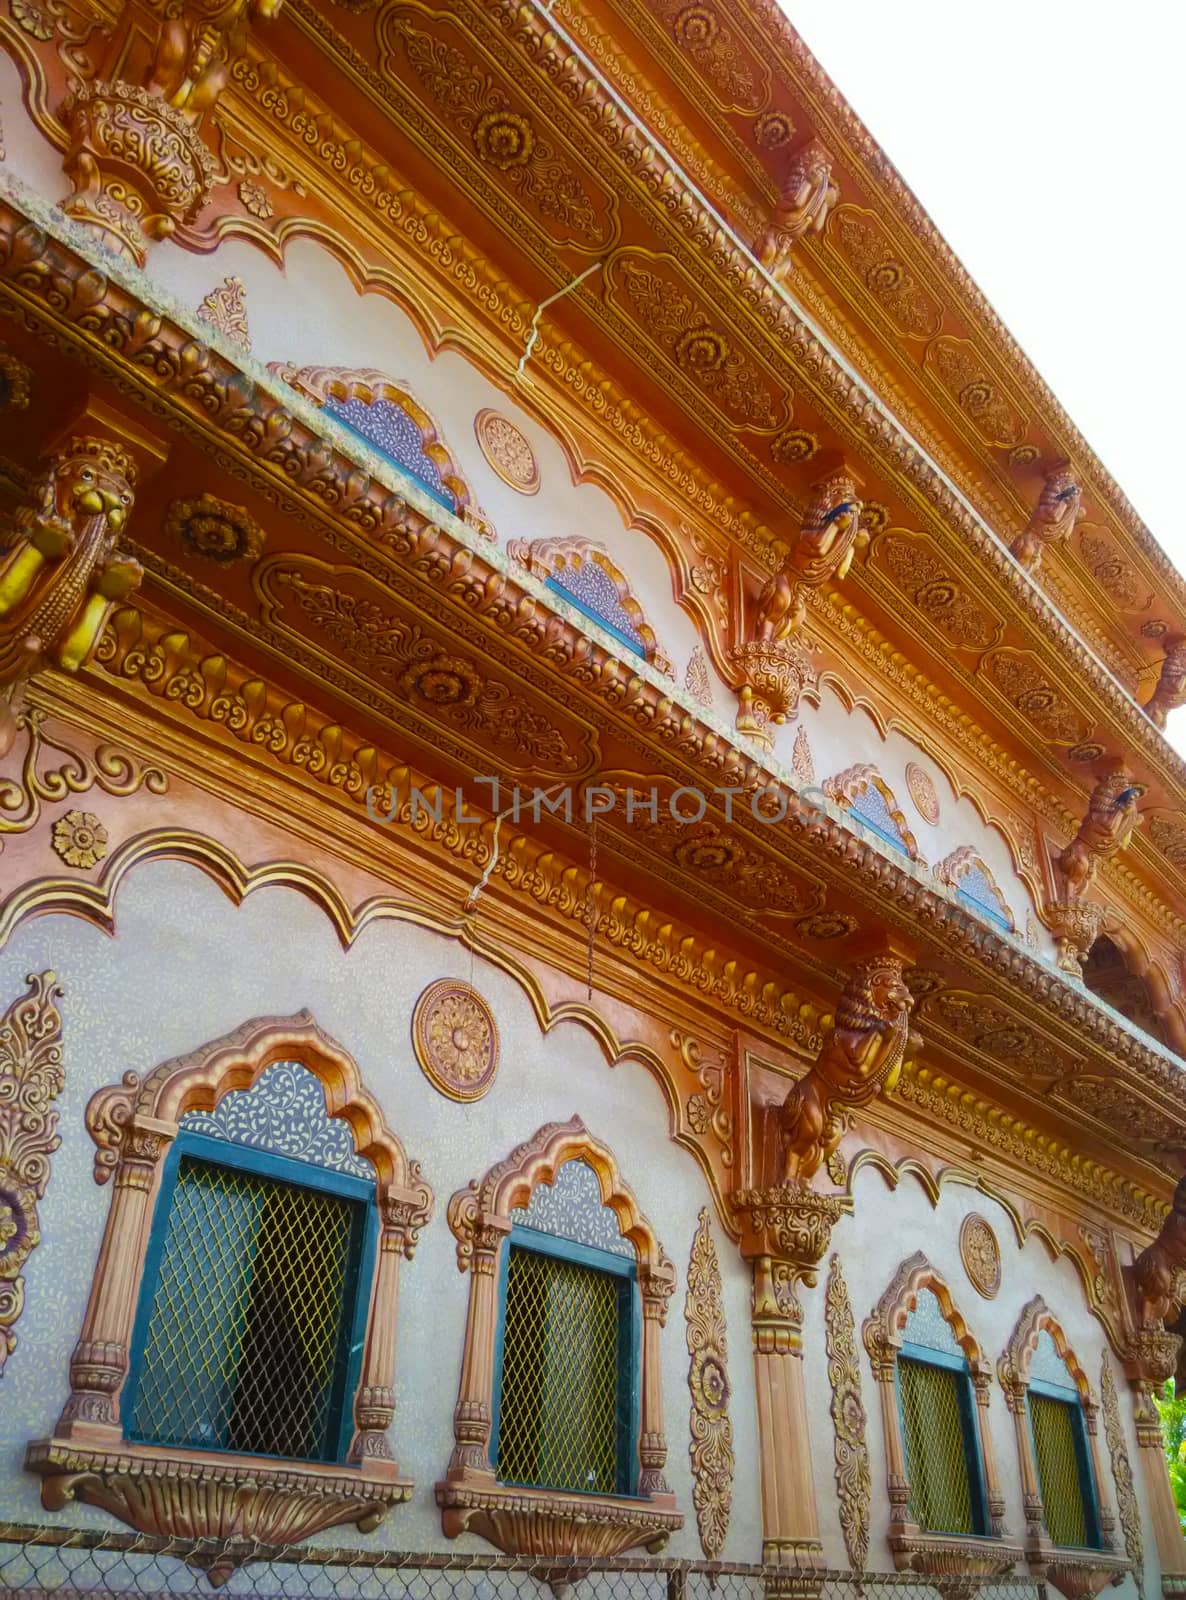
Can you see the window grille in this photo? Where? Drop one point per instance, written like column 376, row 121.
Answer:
column 1063, row 1482
column 248, row 1310
column 936, row 1430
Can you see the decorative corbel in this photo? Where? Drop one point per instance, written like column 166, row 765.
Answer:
column 861, row 1056
column 808, row 195
column 1058, row 509
column 772, row 666
column 138, row 164
column 1106, row 829
column 63, row 570
column 1170, row 692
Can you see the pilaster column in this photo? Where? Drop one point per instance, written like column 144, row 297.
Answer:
column 657, row 1288
column 1031, row 1498
column 1107, row 1517
column 982, row 1383
column 99, row 1364
column 785, row 1232
column 1151, row 1358
column 471, row 1415
column 374, row 1403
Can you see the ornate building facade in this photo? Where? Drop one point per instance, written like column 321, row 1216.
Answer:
column 591, row 902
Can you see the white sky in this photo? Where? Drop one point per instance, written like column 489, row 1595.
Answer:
column 1045, row 139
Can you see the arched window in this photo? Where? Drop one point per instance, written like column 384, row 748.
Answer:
column 934, row 1386
column 861, row 791
column 1106, row 973
column 559, row 1426
column 1054, row 1414
column 971, row 878
column 385, row 413
column 582, row 573
column 234, row 1371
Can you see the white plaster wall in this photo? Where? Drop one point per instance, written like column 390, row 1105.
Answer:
column 883, row 1231
column 308, row 312
column 840, row 738
column 185, row 967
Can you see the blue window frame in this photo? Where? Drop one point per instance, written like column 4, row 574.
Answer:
column 252, row 1313
column 567, row 1363
column 937, row 1411
column 1066, row 1481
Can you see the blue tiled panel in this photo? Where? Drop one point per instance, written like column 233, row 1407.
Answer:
column 571, row 1208
column 871, row 808
column 284, row 1113
column 975, row 888
column 591, row 589
column 389, row 428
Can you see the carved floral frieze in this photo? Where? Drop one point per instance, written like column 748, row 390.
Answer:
column 854, row 1484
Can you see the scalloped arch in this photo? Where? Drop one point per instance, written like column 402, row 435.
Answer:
column 886, row 1324
column 1036, row 1317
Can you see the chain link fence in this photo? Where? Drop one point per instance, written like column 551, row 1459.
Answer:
column 39, row 1560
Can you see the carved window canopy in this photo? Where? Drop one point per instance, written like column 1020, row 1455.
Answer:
column 1037, row 1347
column 219, row 1493
column 536, row 1521
column 892, row 1326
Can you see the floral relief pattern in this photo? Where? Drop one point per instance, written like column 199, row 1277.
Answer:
column 501, row 137
column 31, row 1079
column 981, row 1255
column 1126, row 1497
column 708, row 1381
column 283, row 1112
column 853, row 1478
column 214, row 529
column 79, row 838
column 507, row 451
column 923, row 792
column 859, row 239
column 225, row 308
column 456, row 1039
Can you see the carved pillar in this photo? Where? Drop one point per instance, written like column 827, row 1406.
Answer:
column 1150, row 1359
column 785, row 1232
column 1107, row 1517
column 374, row 1403
column 471, row 1415
column 99, row 1364
column 657, row 1288
column 883, row 1359
column 982, row 1383
column 1031, row 1498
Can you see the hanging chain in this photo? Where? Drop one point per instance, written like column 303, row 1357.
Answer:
column 591, row 904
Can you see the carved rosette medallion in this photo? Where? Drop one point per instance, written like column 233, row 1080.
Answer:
column 455, row 1038
column 80, row 839
column 507, row 451
column 708, row 1381
column 853, row 1479
column 981, row 1255
column 923, row 793
column 214, row 529
column 31, row 1078
column 138, row 166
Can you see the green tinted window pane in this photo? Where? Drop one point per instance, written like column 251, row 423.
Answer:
column 247, row 1340
column 936, row 1458
column 558, row 1400
column 1059, row 1480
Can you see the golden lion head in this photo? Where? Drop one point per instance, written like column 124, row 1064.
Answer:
column 93, row 478
column 875, row 995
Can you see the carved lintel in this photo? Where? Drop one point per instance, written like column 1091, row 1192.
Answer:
column 31, row 1078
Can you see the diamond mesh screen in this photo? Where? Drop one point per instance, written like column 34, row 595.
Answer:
column 558, row 1404
column 936, row 1459
column 1059, row 1481
column 248, row 1336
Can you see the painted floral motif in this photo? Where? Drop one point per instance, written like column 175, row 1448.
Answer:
column 79, row 838
column 455, row 1039
column 283, row 1112
column 571, row 1208
column 696, row 680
